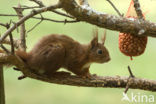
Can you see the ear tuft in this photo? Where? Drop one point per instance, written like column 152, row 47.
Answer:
column 94, row 41
column 104, row 37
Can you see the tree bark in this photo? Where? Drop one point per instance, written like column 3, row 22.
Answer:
column 2, row 92
column 111, row 22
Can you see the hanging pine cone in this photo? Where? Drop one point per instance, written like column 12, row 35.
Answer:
column 132, row 45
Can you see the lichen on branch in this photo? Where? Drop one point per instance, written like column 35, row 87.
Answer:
column 104, row 20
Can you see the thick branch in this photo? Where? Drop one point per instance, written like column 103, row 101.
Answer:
column 138, row 9
column 112, row 82
column 67, row 79
column 122, row 24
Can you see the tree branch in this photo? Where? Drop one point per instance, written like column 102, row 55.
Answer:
column 26, row 7
column 54, row 11
column 16, row 42
column 5, row 49
column 2, row 92
column 22, row 45
column 130, row 77
column 43, row 18
column 138, row 9
column 114, row 8
column 122, row 24
column 35, row 25
column 10, row 39
column 107, row 81
column 23, row 19
column 4, row 25
column 96, row 81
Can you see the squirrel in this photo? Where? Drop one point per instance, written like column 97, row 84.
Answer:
column 55, row 51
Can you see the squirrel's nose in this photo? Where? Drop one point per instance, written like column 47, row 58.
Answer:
column 108, row 59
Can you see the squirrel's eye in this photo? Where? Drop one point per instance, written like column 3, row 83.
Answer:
column 99, row 51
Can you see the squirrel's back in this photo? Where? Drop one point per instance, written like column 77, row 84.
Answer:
column 54, row 38
column 50, row 53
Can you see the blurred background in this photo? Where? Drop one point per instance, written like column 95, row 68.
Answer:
column 29, row 91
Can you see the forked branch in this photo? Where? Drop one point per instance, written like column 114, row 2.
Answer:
column 104, row 20
column 23, row 19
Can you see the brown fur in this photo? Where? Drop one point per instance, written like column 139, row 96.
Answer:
column 55, row 51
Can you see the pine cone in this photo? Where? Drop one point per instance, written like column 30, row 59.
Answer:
column 131, row 45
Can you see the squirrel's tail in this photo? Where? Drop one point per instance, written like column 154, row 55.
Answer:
column 22, row 54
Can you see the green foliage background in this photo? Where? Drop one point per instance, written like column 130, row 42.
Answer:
column 29, row 91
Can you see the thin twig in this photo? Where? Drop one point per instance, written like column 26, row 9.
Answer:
column 130, row 77
column 19, row 11
column 57, row 21
column 23, row 19
column 46, row 19
column 62, row 14
column 35, row 26
column 11, row 39
column 5, row 49
column 115, row 8
column 12, row 44
column 4, row 25
column 11, row 15
column 16, row 26
column 26, row 7
column 130, row 72
column 54, row 11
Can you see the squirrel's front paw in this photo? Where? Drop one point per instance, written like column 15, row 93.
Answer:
column 88, row 75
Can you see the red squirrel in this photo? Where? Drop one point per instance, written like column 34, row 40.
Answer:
column 55, row 51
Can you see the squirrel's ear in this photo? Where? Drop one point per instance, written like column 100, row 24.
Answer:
column 104, row 37
column 94, row 41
